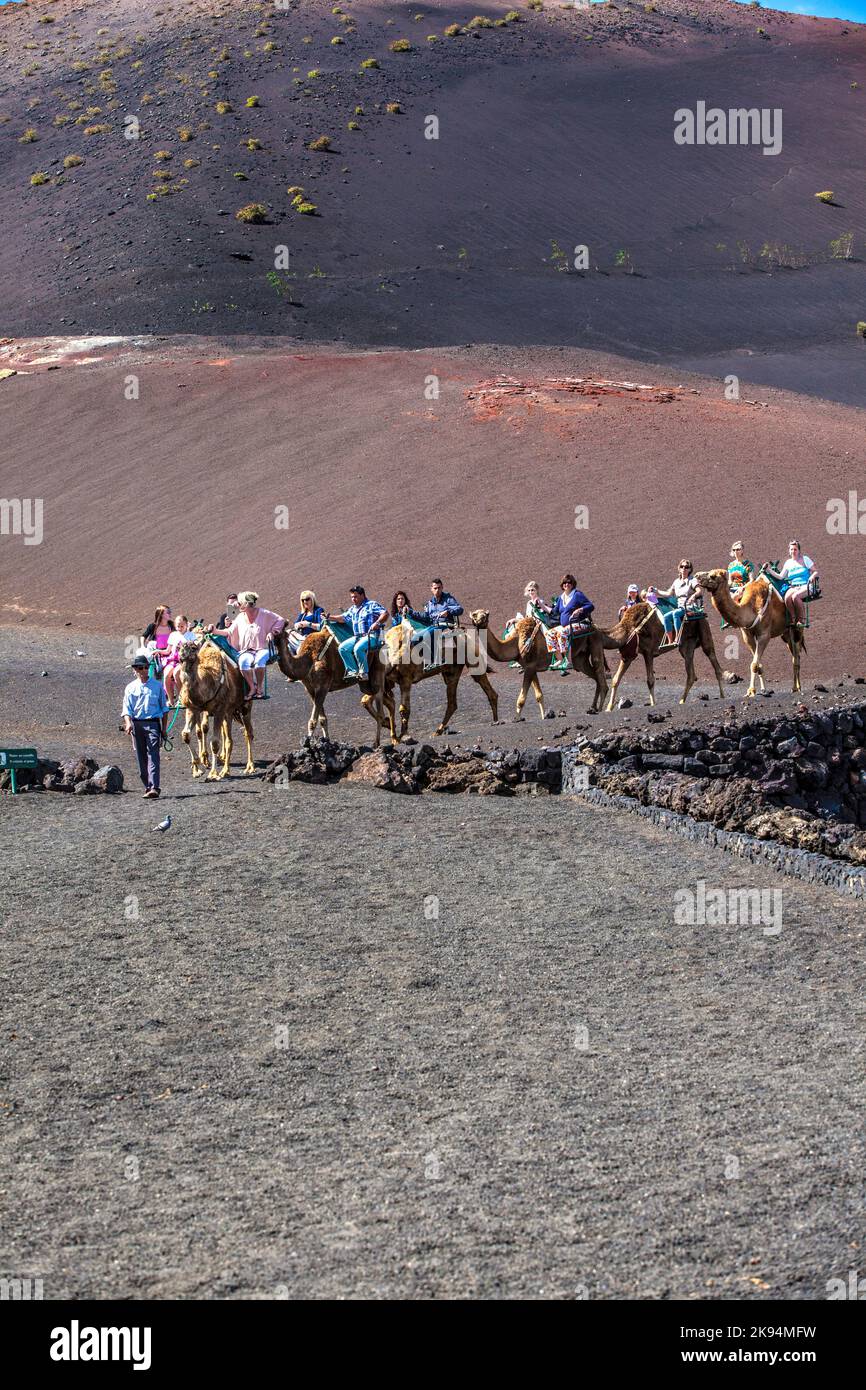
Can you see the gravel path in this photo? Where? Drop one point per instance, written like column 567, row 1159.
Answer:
column 282, row 1079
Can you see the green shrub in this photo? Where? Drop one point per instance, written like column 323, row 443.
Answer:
column 223, row 108
column 253, row 101
column 28, row 137
column 828, row 196
column 322, row 142
column 38, row 178
column 308, row 208
column 452, row 31
column 72, row 161
column 253, row 212
column 370, row 63
column 400, row 46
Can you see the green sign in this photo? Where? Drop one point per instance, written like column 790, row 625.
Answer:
column 17, row 758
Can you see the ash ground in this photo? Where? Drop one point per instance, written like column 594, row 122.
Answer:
column 432, row 1124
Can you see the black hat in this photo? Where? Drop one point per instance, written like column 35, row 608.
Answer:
column 138, row 661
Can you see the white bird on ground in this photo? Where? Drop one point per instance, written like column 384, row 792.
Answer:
column 164, row 824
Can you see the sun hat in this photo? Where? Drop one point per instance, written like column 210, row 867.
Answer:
column 138, row 661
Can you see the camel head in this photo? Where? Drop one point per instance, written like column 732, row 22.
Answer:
column 480, row 617
column 188, row 655
column 712, row 580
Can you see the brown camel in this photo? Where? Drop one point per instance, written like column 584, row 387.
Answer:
column 214, row 691
column 319, row 667
column 404, row 666
column 640, row 629
column 760, row 614
column 525, row 644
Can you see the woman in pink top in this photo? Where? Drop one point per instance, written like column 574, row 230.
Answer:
column 249, row 633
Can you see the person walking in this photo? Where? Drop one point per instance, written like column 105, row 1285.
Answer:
column 144, row 716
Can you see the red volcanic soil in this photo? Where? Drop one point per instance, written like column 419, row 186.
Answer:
column 554, row 131
column 175, row 496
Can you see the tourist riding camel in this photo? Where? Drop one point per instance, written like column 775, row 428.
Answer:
column 250, row 635
column 366, row 618
column 526, row 645
column 213, row 685
column 404, row 666
column 761, row 614
column 310, row 619
column 641, row 630
column 320, row 669
column 795, row 576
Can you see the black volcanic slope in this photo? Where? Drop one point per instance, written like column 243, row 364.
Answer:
column 555, row 130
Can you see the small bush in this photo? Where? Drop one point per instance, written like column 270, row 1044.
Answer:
column 400, row 46
column 337, row 40
column 252, row 144
column 452, row 31
column 393, row 108
column 308, row 208
column 253, row 101
column 28, row 137
column 62, row 120
column 185, row 133
column 72, row 161
column 97, row 129
column 370, row 63
column 162, row 154
column 323, row 142
column 36, row 179
column 253, row 212
column 353, row 125
column 295, row 190
column 314, row 73
column 223, row 108
column 861, row 329
column 191, row 163
column 513, row 17
column 480, row 21
column 828, row 196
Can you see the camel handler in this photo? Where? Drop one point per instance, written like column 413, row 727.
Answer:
column 145, row 715
column 366, row 618
column 249, row 634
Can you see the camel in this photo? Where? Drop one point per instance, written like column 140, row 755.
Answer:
column 319, row 667
column 641, row 630
column 214, row 693
column 404, row 666
column 195, row 723
column 760, row 614
column 525, row 644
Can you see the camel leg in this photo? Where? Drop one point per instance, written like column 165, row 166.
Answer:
column 227, row 746
column 492, row 698
column 388, row 702
column 248, row 735
column 539, row 695
column 794, row 648
column 522, row 694
column 689, row 659
column 708, row 646
column 755, row 665
column 451, row 680
column 405, row 704
column 215, row 752
column 371, row 702
column 649, row 663
column 617, row 677
column 594, row 669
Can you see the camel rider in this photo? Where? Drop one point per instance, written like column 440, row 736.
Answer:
column 740, row 571
column 795, row 576
column 366, row 618
column 689, row 597
column 310, row 619
column 632, row 596
column 440, row 612
column 250, row 634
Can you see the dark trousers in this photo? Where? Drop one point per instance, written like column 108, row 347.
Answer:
column 146, row 735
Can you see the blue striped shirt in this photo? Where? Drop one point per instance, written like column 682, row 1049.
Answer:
column 145, row 699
